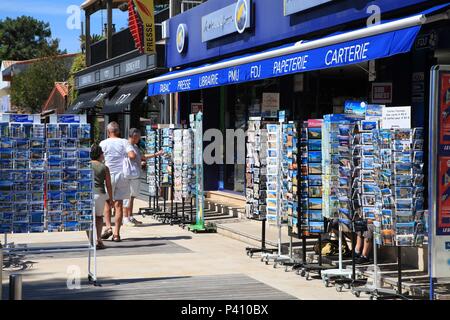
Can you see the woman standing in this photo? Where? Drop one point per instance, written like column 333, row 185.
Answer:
column 102, row 189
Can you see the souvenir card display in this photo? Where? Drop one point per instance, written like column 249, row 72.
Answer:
column 183, row 152
column 365, row 188
column 166, row 164
column 273, row 175
column 152, row 146
column 69, row 181
column 337, row 167
column 399, row 174
column 311, row 220
column 256, row 169
column 53, row 165
column 22, row 165
column 289, row 178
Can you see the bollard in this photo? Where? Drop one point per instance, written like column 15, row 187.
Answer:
column 15, row 287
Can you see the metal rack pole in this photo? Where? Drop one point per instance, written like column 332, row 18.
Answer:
column 399, row 272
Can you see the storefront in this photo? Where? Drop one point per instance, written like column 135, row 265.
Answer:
column 261, row 57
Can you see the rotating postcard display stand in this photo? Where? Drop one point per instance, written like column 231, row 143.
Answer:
column 398, row 197
column 311, row 223
column 151, row 147
column 337, row 174
column 46, row 181
column 256, row 178
column 184, row 175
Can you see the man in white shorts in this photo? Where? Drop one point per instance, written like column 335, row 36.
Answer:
column 134, row 135
column 115, row 150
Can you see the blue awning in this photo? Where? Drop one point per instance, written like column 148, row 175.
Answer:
column 375, row 42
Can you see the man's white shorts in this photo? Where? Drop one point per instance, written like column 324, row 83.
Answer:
column 120, row 186
column 135, row 185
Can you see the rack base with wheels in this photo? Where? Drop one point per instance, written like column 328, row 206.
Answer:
column 305, row 269
column 252, row 250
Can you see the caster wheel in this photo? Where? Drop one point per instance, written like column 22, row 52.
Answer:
column 262, row 259
column 338, row 288
column 326, row 283
column 267, row 262
column 195, row 231
column 307, row 277
column 347, row 286
column 297, row 272
column 303, row 273
column 286, row 269
column 357, row 294
column 90, row 279
column 275, row 265
column 250, row 255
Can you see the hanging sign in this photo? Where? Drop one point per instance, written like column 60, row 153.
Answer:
column 141, row 21
column 382, row 92
column 396, row 117
column 270, row 104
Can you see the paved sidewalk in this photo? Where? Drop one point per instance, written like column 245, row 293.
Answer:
column 165, row 254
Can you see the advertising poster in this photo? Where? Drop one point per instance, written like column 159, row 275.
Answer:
column 444, row 114
column 443, row 212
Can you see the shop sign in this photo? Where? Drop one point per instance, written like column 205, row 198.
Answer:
column 181, row 37
column 341, row 54
column 142, row 24
column 228, row 20
column 382, row 92
column 270, row 104
column 294, row 6
column 396, row 117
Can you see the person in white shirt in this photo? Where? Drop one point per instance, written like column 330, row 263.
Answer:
column 134, row 135
column 116, row 150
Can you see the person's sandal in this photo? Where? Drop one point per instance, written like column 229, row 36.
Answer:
column 107, row 234
column 116, row 239
column 100, row 246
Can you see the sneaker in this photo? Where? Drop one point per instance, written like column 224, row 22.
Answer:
column 132, row 219
column 128, row 223
column 362, row 260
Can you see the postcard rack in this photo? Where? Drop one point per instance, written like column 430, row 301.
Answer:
column 399, row 214
column 184, row 176
column 256, row 178
column 151, row 147
column 47, row 182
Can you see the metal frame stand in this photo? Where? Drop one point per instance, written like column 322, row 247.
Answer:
column 91, row 249
column 251, row 250
column 340, row 272
column 306, row 268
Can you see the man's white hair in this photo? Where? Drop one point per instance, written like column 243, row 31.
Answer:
column 113, row 127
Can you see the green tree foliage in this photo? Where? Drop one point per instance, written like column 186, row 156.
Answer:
column 79, row 63
column 31, row 88
column 25, row 38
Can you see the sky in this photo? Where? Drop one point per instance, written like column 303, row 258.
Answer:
column 56, row 13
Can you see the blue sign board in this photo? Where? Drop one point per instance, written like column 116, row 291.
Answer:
column 269, row 25
column 347, row 53
column 230, row 19
column 294, row 6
